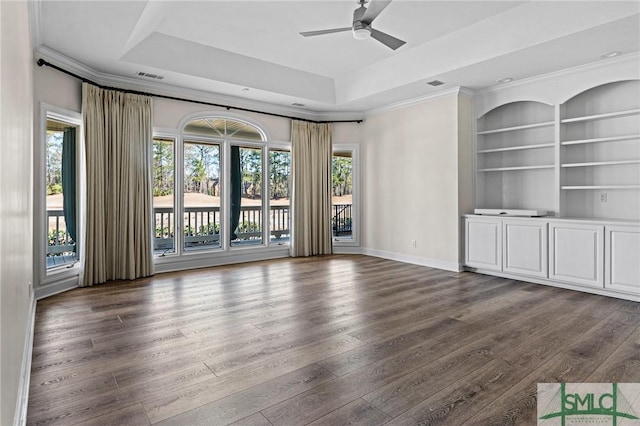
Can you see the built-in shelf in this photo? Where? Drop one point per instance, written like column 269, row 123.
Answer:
column 505, row 169
column 516, row 148
column 601, row 187
column 607, row 139
column 523, row 127
column 601, row 116
column 601, row 163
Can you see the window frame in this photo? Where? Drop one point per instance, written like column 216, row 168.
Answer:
column 181, row 258
column 63, row 272
column 177, row 236
column 354, row 240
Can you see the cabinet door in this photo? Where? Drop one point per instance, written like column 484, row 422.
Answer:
column 576, row 254
column 483, row 243
column 524, row 249
column 622, row 258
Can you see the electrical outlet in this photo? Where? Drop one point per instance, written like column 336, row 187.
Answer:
column 603, row 197
column 413, row 243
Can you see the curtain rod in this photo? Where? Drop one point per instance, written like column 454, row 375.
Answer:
column 42, row 62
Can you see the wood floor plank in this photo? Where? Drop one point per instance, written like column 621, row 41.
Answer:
column 340, row 339
column 356, row 413
column 325, row 398
column 254, row 420
column 357, row 358
column 241, row 404
column 456, row 403
column 409, row 390
column 622, row 366
column 133, row 415
column 518, row 405
column 188, row 397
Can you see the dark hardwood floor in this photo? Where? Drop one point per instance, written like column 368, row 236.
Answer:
column 324, row 341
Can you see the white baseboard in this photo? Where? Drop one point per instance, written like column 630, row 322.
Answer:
column 566, row 286
column 347, row 250
column 25, row 370
column 415, row 260
column 57, row 287
column 223, row 258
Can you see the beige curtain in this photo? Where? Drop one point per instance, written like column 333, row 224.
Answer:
column 118, row 138
column 311, row 152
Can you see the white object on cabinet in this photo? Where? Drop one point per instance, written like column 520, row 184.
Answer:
column 576, row 254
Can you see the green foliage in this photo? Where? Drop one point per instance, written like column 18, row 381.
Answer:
column 163, row 167
column 251, row 169
column 341, row 176
column 54, row 188
column 248, row 227
column 279, row 171
column 53, row 175
column 59, row 238
column 201, row 168
column 209, row 229
column 163, row 232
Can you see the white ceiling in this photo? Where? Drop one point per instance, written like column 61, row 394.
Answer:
column 227, row 47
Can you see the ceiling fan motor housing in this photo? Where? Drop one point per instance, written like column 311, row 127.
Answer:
column 360, row 29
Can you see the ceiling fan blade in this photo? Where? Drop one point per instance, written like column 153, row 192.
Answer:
column 321, row 32
column 375, row 8
column 389, row 41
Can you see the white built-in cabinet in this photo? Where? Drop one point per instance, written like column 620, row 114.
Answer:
column 601, row 257
column 622, row 258
column 483, row 244
column 576, row 253
column 567, row 144
column 524, row 247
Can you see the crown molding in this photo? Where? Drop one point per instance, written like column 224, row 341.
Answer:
column 128, row 83
column 466, row 92
column 35, row 12
column 602, row 63
column 458, row 90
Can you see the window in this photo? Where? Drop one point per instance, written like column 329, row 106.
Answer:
column 163, row 195
column 201, row 195
column 219, row 187
column 246, row 195
column 344, row 187
column 279, row 204
column 61, row 194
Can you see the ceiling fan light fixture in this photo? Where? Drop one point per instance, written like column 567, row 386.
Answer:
column 361, row 33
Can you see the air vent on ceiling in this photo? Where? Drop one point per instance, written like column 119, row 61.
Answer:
column 298, row 104
column 435, row 83
column 147, row 75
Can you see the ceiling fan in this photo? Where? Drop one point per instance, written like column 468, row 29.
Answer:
column 362, row 19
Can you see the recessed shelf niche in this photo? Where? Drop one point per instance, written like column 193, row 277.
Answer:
column 515, row 157
column 600, row 152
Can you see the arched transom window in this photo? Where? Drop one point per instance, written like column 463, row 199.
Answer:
column 224, row 128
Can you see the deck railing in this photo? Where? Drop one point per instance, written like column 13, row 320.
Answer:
column 202, row 226
column 341, row 220
column 59, row 242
